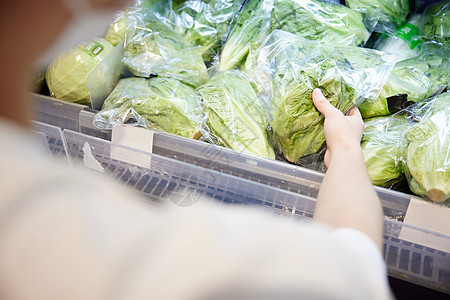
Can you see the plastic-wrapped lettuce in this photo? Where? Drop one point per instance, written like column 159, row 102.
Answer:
column 118, row 29
column 437, row 25
column 158, row 103
column 381, row 11
column 381, row 145
column 205, row 23
column 234, row 116
column 154, row 48
column 417, row 78
column 68, row 73
column 427, row 141
column 311, row 19
column 289, row 68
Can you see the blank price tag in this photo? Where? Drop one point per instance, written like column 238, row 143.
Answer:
column 136, row 138
column 430, row 217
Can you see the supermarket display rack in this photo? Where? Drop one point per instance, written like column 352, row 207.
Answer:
column 181, row 171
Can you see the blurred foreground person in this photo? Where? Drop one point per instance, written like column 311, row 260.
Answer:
column 71, row 234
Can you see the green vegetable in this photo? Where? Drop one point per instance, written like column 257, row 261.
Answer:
column 234, row 115
column 205, row 23
column 384, row 11
column 381, row 145
column 294, row 68
column 158, row 103
column 156, row 49
column 313, row 20
column 117, row 30
column 67, row 75
column 427, row 152
column 419, row 77
column 437, row 25
column 245, row 34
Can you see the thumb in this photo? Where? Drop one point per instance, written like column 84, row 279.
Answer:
column 323, row 105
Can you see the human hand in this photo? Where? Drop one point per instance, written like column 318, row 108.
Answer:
column 342, row 133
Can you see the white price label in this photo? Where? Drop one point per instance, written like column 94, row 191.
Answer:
column 135, row 138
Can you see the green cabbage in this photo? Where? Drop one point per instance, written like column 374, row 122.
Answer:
column 67, row 75
column 428, row 150
column 157, row 103
column 381, row 145
column 234, row 116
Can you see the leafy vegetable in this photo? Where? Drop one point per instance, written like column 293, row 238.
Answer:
column 118, row 29
column 158, row 103
column 427, row 152
column 437, row 25
column 295, row 67
column 381, row 145
column 419, row 77
column 67, row 75
column 311, row 19
column 154, row 48
column 384, row 11
column 234, row 115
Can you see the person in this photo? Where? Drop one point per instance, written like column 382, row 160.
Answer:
column 70, row 234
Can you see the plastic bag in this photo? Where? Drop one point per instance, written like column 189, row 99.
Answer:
column 427, row 148
column 412, row 80
column 381, row 13
column 157, row 103
column 289, row 68
column 154, row 48
column 311, row 19
column 437, row 24
column 234, row 116
column 67, row 75
column 118, row 29
column 382, row 149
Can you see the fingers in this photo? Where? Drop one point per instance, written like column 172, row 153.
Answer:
column 323, row 105
column 354, row 112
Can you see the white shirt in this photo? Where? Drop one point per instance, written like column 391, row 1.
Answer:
column 72, row 234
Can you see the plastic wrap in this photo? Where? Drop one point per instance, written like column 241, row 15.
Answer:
column 234, row 116
column 118, row 29
column 67, row 75
column 427, row 148
column 404, row 41
column 381, row 12
column 313, row 20
column 437, row 24
column 157, row 103
column 415, row 79
column 154, row 48
column 289, row 68
column 381, row 145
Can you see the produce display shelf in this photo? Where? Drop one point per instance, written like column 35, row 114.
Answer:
column 180, row 170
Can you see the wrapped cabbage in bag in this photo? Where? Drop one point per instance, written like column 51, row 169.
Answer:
column 67, row 74
column 154, row 48
column 163, row 104
column 311, row 19
column 234, row 116
column 381, row 145
column 437, row 25
column 417, row 78
column 289, row 68
column 427, row 164
column 384, row 12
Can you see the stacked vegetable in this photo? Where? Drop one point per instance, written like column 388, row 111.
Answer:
column 241, row 74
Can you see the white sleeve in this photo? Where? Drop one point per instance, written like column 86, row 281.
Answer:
column 75, row 236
